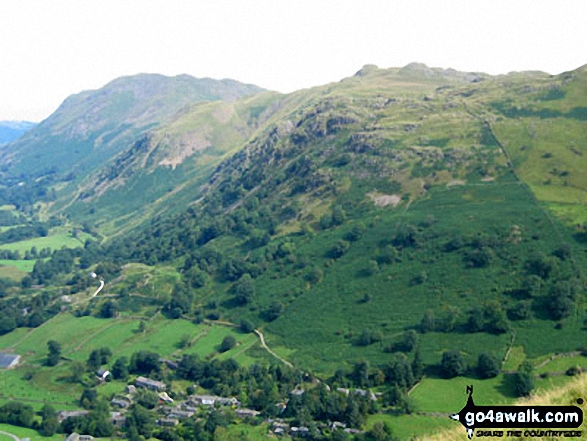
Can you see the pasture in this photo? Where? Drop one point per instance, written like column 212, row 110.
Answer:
column 33, row 383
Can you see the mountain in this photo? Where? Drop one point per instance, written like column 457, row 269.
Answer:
column 91, row 127
column 391, row 229
column 396, row 199
column 12, row 130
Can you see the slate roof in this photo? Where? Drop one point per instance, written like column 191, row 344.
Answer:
column 7, row 359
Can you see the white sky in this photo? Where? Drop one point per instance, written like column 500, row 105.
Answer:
column 51, row 49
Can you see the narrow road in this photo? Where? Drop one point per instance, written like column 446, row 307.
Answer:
column 14, row 437
column 99, row 288
column 262, row 338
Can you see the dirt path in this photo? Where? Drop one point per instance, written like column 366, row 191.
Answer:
column 259, row 334
column 98, row 332
column 262, row 338
column 14, row 437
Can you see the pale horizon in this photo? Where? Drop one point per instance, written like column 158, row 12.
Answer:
column 52, row 50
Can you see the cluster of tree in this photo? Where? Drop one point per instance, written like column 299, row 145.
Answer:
column 19, row 233
column 454, row 364
column 96, row 423
column 10, row 254
column 23, row 415
column 8, row 218
column 25, row 311
column 491, row 318
column 24, row 193
column 17, row 414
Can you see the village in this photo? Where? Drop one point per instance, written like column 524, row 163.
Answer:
column 171, row 413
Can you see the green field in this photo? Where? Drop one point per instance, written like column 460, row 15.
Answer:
column 31, row 434
column 409, row 426
column 53, row 241
column 79, row 336
column 15, row 269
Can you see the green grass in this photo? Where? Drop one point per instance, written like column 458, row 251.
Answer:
column 407, row 427
column 16, row 269
column 243, row 432
column 54, row 241
column 209, row 343
column 23, row 432
column 515, row 358
column 65, row 329
column 563, row 363
column 47, row 385
column 441, row 395
column 318, row 317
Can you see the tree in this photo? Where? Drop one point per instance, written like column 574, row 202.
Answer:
column 409, row 340
column 246, row 326
column 368, row 337
column 563, row 252
column 340, row 249
column 417, row 365
column 407, row 236
column 88, row 398
column 244, row 290
column 478, row 258
column 120, row 369
column 98, row 357
column 77, row 370
column 428, row 323
column 146, row 398
column 7, row 324
column 49, row 422
column 453, row 364
column 54, row 352
column 144, row 362
column 380, row 432
column 141, row 420
column 540, row 265
column 561, row 299
column 521, row 310
column 356, row 232
column 488, row 365
column 274, row 311
column 228, row 343
column 109, row 309
column 532, row 285
column 523, row 381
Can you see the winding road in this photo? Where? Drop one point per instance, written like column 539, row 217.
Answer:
column 99, row 288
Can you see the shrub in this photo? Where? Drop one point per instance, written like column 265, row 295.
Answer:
column 488, row 365
column 228, row 343
column 453, row 364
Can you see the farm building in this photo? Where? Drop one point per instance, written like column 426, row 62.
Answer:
column 8, row 361
column 210, row 400
column 64, row 414
column 147, row 383
column 77, row 437
column 102, row 374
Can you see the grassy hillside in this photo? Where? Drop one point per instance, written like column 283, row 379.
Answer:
column 566, row 395
column 364, row 228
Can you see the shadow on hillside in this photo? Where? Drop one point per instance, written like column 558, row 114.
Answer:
column 507, row 387
column 581, row 237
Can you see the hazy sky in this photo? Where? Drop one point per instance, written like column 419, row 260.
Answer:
column 51, row 49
